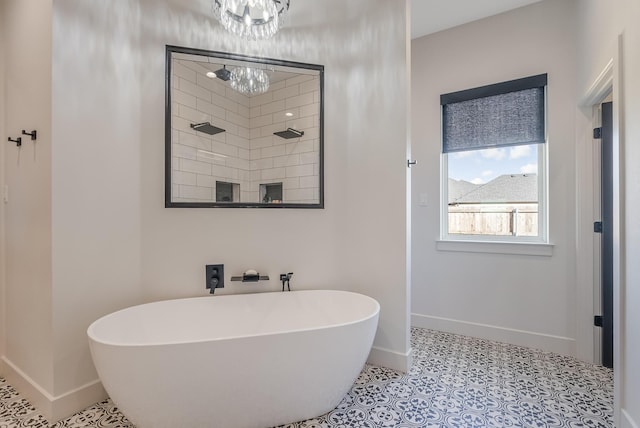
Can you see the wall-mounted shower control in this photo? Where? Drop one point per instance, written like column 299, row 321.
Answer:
column 214, row 277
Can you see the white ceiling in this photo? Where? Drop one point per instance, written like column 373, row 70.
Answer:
column 430, row 16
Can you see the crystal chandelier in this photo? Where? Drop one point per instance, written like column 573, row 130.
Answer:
column 251, row 19
column 249, row 81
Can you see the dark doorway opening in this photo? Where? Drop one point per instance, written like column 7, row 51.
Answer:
column 607, row 233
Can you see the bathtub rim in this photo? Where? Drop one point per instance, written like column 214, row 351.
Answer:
column 92, row 337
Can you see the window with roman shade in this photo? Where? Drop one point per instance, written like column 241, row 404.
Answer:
column 503, row 127
column 503, row 114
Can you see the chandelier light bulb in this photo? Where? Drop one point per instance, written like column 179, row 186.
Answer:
column 247, row 16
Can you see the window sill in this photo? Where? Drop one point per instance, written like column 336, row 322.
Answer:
column 520, row 248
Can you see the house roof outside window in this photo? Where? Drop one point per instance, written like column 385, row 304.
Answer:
column 507, row 188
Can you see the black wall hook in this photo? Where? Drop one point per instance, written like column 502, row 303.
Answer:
column 18, row 141
column 33, row 134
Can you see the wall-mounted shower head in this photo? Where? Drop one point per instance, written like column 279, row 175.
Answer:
column 289, row 133
column 207, row 128
column 223, row 74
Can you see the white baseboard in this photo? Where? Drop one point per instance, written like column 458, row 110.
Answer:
column 627, row 422
column 53, row 408
column 390, row 359
column 545, row 342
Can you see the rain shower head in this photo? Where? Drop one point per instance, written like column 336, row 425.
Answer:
column 289, row 133
column 207, row 128
column 223, row 74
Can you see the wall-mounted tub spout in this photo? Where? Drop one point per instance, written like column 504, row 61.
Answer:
column 285, row 277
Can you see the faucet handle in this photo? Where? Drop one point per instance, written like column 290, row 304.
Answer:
column 285, row 277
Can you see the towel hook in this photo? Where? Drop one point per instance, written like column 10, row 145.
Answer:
column 18, row 141
column 33, row 134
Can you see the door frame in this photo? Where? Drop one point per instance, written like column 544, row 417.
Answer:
column 588, row 211
column 609, row 81
column 597, row 237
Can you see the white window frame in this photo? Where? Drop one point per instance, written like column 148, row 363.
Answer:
column 541, row 244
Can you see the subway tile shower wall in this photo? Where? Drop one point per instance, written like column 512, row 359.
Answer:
column 247, row 153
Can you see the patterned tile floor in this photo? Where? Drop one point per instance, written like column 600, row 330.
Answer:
column 455, row 381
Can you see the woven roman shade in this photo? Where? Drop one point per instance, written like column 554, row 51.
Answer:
column 504, row 114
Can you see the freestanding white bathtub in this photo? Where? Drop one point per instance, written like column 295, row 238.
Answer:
column 251, row 360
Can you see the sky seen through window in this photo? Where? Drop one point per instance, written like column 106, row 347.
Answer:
column 482, row 166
